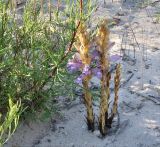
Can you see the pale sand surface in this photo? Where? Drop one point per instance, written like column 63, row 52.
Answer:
column 139, row 116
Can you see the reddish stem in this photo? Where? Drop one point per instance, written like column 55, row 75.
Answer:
column 81, row 7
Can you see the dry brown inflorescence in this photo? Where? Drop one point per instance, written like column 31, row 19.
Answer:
column 83, row 46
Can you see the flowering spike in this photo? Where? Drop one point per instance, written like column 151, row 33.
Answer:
column 83, row 49
column 103, row 42
column 116, row 89
column 96, row 63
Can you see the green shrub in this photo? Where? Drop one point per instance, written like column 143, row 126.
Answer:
column 33, row 53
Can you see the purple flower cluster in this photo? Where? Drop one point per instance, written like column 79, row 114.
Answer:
column 88, row 71
column 74, row 64
column 85, row 72
column 97, row 72
column 94, row 69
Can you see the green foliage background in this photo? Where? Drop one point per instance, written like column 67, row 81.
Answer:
column 32, row 47
column 33, row 59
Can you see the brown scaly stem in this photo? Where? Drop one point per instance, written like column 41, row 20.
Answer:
column 88, row 104
column 103, row 103
column 108, row 96
column 116, row 90
column 103, row 41
column 82, row 45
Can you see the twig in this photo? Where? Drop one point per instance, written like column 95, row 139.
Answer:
column 154, row 99
column 152, row 3
column 126, row 81
column 122, row 50
column 49, row 7
column 134, row 36
column 42, row 11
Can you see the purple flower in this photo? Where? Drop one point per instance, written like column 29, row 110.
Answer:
column 86, row 70
column 115, row 58
column 79, row 79
column 97, row 72
column 74, row 65
column 95, row 55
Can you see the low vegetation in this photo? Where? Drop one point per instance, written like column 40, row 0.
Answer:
column 34, row 47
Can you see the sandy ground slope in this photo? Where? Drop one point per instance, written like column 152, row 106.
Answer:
column 139, row 117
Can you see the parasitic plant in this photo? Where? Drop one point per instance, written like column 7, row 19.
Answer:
column 116, row 90
column 103, row 43
column 82, row 45
column 96, row 62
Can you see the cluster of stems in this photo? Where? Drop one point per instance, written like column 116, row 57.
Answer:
column 105, row 120
column 85, row 61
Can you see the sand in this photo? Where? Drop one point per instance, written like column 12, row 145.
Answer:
column 139, row 99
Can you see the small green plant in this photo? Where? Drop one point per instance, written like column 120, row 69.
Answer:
column 9, row 123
